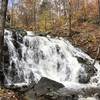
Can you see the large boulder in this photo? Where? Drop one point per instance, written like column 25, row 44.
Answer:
column 46, row 85
column 17, row 40
column 43, row 90
column 46, row 89
column 87, row 71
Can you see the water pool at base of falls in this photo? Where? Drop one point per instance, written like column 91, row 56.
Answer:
column 36, row 56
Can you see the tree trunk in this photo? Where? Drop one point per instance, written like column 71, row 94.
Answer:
column 2, row 26
column 70, row 19
column 65, row 10
column 85, row 9
column 45, row 24
column 99, row 8
column 12, row 14
column 34, row 16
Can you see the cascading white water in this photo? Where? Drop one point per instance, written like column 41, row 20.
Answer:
column 54, row 58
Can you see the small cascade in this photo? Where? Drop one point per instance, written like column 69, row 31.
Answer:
column 32, row 57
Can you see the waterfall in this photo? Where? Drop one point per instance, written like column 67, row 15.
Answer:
column 32, row 57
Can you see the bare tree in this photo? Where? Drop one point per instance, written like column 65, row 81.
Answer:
column 34, row 16
column 12, row 13
column 2, row 24
column 70, row 18
column 99, row 8
column 85, row 9
column 64, row 2
column 3, row 11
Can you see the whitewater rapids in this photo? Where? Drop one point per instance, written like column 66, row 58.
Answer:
column 54, row 58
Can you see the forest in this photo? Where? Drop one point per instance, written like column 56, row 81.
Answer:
column 49, row 49
column 65, row 18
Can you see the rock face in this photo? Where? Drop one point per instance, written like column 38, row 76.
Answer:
column 43, row 89
column 5, row 64
column 46, row 90
column 17, row 40
column 87, row 71
column 46, row 85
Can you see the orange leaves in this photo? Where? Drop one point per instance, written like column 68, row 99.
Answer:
column 7, row 95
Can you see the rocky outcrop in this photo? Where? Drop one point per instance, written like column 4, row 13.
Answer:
column 17, row 35
column 82, row 90
column 42, row 89
column 46, row 89
column 87, row 70
column 46, row 85
column 4, row 65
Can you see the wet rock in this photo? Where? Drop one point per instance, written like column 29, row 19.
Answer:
column 42, row 55
column 16, row 44
column 1, row 75
column 6, row 53
column 58, row 49
column 30, row 95
column 46, row 89
column 41, row 33
column 20, row 53
column 45, row 85
column 51, row 98
column 17, row 39
column 83, row 77
column 87, row 71
column 5, row 63
column 19, row 31
column 56, row 96
column 36, row 57
column 18, row 34
column 26, row 43
column 82, row 60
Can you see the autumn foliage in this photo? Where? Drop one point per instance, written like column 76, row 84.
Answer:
column 47, row 15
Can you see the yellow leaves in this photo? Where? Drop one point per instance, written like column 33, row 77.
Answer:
column 7, row 95
column 91, row 38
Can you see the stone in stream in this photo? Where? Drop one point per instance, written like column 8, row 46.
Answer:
column 87, row 71
column 46, row 90
column 46, row 85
